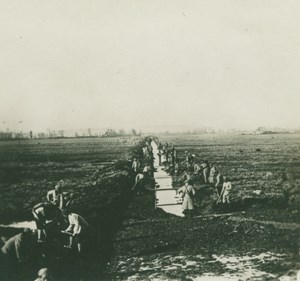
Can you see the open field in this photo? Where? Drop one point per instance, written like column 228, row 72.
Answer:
column 134, row 241
column 96, row 171
column 30, row 168
column 257, row 166
column 258, row 241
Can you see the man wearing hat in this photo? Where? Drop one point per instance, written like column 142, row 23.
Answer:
column 188, row 193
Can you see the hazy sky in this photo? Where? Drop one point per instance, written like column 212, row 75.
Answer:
column 135, row 63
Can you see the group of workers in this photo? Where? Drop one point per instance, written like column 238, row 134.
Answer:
column 208, row 174
column 55, row 212
column 143, row 173
column 190, row 170
column 52, row 218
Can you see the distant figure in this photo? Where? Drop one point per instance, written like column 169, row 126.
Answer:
column 219, row 182
column 149, row 148
column 186, row 176
column 159, row 154
column 55, row 196
column 205, row 171
column 164, row 155
column 43, row 213
column 147, row 171
column 226, row 191
column 176, row 167
column 135, row 165
column 188, row 193
column 172, row 154
column 188, row 159
column 145, row 151
column 77, row 230
column 212, row 174
column 44, row 275
column 159, row 147
column 197, row 170
column 139, row 184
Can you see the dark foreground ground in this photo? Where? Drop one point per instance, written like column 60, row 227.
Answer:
column 133, row 241
column 257, row 238
column 156, row 246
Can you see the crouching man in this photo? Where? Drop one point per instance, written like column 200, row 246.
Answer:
column 14, row 252
column 78, row 228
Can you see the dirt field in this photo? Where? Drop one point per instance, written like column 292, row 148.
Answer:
column 133, row 241
column 257, row 166
column 30, row 168
column 259, row 241
column 96, row 171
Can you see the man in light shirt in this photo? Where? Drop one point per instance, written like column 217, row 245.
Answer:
column 77, row 229
column 187, row 193
column 226, row 191
column 135, row 165
column 56, row 196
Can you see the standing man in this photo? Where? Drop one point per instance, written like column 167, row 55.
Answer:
column 226, row 191
column 212, row 174
column 173, row 154
column 219, row 182
column 187, row 193
column 205, row 167
column 135, row 165
column 55, row 196
column 159, row 154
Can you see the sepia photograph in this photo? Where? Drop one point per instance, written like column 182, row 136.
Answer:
column 150, row 140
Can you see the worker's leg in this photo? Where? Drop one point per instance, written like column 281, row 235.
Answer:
column 79, row 247
column 79, row 239
column 40, row 230
column 70, row 242
column 204, row 176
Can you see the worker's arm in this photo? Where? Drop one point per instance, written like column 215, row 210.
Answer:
column 48, row 195
column 17, row 248
column 193, row 191
column 71, row 226
column 37, row 206
column 61, row 201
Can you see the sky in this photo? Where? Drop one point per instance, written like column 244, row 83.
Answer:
column 150, row 65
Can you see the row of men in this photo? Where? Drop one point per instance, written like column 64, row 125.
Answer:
column 194, row 171
column 209, row 174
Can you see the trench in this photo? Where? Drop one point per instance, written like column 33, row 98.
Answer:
column 105, row 221
column 166, row 197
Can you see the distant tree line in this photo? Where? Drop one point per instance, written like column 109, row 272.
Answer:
column 52, row 134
